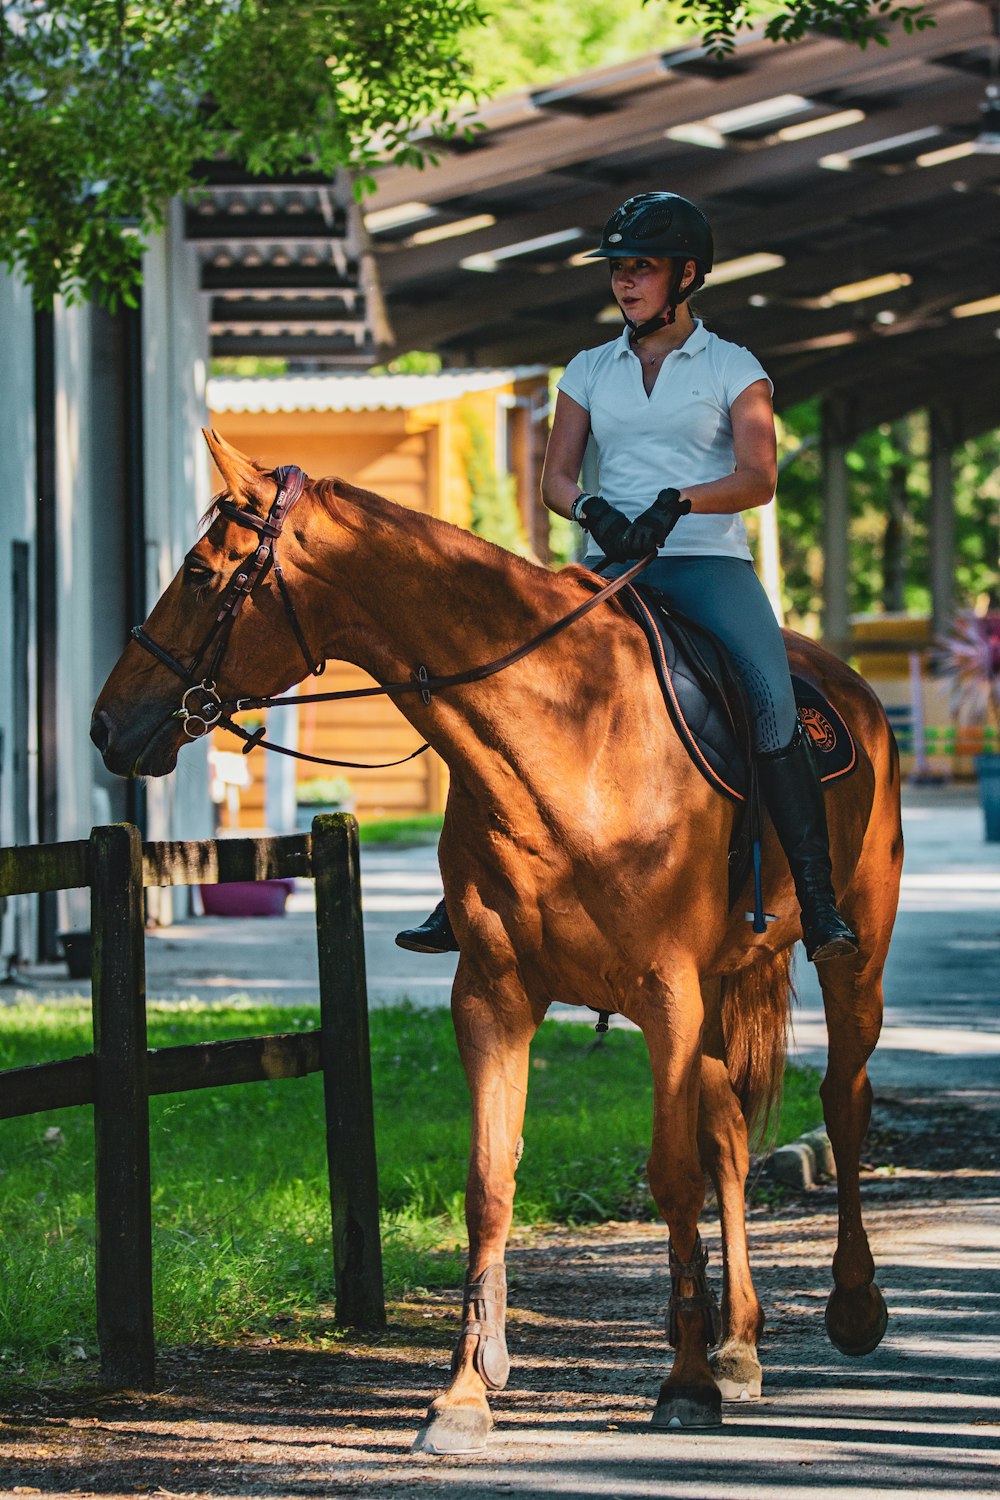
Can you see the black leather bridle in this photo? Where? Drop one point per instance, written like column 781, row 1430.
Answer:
column 208, row 710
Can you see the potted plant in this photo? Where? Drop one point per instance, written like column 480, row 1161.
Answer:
column 321, row 794
column 971, row 658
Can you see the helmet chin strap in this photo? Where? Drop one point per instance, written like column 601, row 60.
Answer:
column 668, row 312
column 662, row 320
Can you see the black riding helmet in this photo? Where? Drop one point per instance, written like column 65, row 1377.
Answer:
column 662, row 226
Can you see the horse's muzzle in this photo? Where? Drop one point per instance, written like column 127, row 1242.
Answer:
column 144, row 750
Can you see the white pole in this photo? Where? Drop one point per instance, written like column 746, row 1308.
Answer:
column 279, row 770
column 770, row 557
column 921, row 769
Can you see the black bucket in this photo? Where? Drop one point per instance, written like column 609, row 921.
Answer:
column 76, row 946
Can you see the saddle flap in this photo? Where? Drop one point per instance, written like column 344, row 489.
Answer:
column 701, row 691
column 708, row 706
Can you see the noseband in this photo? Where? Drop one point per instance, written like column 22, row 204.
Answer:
column 201, row 708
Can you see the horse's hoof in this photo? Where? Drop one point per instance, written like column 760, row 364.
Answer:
column 737, row 1371
column 456, row 1429
column 856, row 1321
column 688, row 1406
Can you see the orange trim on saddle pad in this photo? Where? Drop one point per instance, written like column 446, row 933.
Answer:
column 833, row 745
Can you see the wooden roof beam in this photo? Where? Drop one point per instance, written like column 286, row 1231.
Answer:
column 303, row 310
column 267, row 276
column 975, row 224
column 813, row 66
column 335, row 350
column 703, row 178
column 263, row 229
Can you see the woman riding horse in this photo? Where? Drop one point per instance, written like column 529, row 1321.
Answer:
column 584, row 856
column 668, row 402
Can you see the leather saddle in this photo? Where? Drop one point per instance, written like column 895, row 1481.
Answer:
column 708, row 706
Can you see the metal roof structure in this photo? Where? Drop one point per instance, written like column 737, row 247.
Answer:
column 355, row 392
column 287, row 265
column 855, row 209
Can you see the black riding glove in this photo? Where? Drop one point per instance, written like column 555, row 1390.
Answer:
column 649, row 531
column 607, row 526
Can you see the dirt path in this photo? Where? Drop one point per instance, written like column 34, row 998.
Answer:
column 920, row 1417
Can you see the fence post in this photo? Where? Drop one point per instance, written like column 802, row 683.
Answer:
column 121, row 1110
column 350, row 1123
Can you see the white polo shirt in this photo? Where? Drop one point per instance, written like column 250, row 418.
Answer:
column 678, row 435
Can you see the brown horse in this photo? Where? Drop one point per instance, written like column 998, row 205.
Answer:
column 584, row 860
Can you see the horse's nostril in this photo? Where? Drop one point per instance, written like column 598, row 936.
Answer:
column 100, row 731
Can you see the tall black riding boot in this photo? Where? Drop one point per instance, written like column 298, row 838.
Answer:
column 793, row 795
column 433, row 936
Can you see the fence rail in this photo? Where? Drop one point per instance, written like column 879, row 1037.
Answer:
column 34, row 868
column 121, row 1073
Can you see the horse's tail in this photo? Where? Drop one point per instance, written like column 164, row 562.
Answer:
column 756, row 1009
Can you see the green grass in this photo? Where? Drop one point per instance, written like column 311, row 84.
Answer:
column 421, row 828
column 240, row 1205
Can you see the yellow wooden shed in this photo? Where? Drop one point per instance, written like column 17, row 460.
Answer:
column 410, row 437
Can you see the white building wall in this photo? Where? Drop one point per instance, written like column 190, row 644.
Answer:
column 74, row 567
column 74, row 651
column 177, row 490
column 18, row 763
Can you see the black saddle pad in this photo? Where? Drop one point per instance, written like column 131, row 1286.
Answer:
column 707, row 704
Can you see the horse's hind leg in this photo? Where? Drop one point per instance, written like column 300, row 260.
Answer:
column 671, row 1026
column 856, row 1315
column 725, row 1154
column 494, row 1025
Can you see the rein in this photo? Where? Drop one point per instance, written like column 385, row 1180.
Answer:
column 210, row 711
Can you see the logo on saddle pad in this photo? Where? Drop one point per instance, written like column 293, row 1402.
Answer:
column 819, row 729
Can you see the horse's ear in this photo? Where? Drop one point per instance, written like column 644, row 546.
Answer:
column 241, row 476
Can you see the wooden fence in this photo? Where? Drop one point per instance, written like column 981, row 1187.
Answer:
column 118, row 1077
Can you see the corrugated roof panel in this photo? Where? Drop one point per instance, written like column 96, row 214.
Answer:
column 354, row 392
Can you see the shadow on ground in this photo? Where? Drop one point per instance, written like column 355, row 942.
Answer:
column 920, row 1416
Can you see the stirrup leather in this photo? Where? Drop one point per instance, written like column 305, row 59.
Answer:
column 483, row 1311
column 702, row 1299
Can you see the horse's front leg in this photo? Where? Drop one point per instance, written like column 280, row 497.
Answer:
column 494, row 1025
column 672, row 1025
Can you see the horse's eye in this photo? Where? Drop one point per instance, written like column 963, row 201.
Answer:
column 197, row 573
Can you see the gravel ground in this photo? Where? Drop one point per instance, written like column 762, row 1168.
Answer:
column 920, row 1417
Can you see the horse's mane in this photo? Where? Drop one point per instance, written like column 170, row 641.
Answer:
column 331, row 491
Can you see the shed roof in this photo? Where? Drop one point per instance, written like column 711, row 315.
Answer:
column 856, row 173
column 356, row 392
